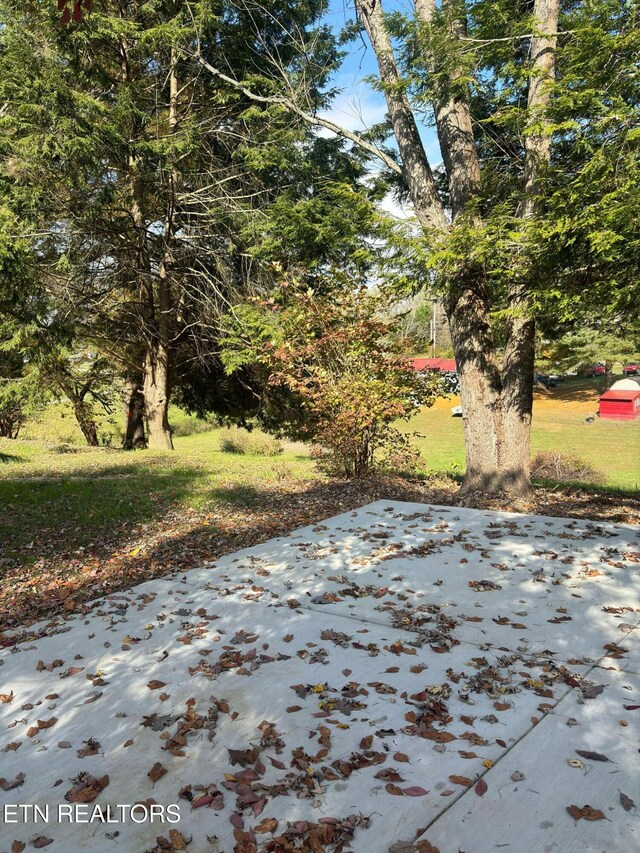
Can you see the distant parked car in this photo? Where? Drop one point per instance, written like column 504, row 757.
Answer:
column 547, row 381
column 595, row 370
column 631, row 369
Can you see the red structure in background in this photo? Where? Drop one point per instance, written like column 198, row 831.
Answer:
column 443, row 365
column 620, row 405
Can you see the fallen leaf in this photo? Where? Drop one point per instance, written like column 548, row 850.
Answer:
column 414, row 791
column 461, row 780
column 155, row 684
column 627, row 802
column 481, row 787
column 156, row 772
column 425, row 847
column 592, row 756
column 586, row 812
column 86, row 788
column 178, row 841
column 593, row 691
column 9, row 784
column 268, row 824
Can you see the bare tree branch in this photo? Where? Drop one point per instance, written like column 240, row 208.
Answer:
column 314, row 120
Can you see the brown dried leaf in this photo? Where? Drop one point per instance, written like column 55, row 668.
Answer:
column 156, row 772
column 461, row 780
column 587, row 812
column 592, row 756
column 269, row 824
column 178, row 841
column 425, row 847
column 8, row 784
column 627, row 802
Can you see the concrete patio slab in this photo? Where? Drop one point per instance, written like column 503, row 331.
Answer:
column 340, row 683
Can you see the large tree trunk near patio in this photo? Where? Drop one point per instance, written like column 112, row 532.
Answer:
column 496, row 415
column 157, row 366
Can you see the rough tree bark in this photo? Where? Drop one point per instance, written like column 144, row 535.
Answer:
column 134, row 436
column 86, row 423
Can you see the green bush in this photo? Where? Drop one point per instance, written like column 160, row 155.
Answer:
column 238, row 440
column 183, row 424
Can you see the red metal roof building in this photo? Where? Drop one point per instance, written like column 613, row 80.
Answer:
column 443, row 365
column 620, row 405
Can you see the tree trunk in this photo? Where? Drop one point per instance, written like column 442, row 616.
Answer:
column 519, row 353
column 134, row 436
column 156, row 397
column 157, row 361
column 86, row 423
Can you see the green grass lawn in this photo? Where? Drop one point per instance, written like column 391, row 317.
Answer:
column 610, row 447
column 72, row 493
column 78, row 494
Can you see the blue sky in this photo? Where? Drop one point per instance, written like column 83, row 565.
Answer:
column 359, row 105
